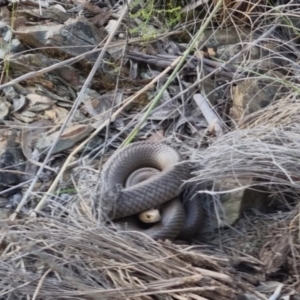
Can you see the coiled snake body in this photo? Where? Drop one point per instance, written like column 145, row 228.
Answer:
column 156, row 189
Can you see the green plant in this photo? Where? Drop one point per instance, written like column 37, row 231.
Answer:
column 168, row 16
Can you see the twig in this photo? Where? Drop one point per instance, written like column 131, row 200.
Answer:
column 14, row 187
column 40, row 284
column 71, row 60
column 215, row 275
column 47, row 69
column 212, row 119
column 277, row 292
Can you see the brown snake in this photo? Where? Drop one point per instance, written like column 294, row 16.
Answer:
column 156, row 189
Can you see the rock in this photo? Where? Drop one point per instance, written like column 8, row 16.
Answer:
column 16, row 46
column 252, row 95
column 81, row 34
column 243, row 199
column 11, row 158
column 31, row 62
column 232, row 201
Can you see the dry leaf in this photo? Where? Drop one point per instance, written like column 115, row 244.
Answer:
column 4, row 109
column 89, row 6
column 39, row 103
column 30, row 134
column 157, row 136
column 19, row 103
column 211, row 52
column 99, row 108
column 28, row 138
column 68, row 139
column 39, row 108
column 50, row 114
column 22, row 118
column 199, row 53
column 37, row 99
column 56, row 114
column 28, row 114
column 100, row 19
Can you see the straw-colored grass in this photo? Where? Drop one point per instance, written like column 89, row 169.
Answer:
column 70, row 254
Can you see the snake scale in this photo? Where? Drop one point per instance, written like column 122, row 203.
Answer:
column 159, row 188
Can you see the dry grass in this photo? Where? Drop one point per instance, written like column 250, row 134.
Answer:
column 265, row 147
column 71, row 255
column 75, row 257
column 61, row 259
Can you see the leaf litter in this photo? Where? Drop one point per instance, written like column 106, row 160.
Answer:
column 232, row 109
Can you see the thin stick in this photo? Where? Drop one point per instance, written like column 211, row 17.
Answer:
column 70, row 60
column 212, row 119
column 46, row 70
column 277, row 292
column 40, row 284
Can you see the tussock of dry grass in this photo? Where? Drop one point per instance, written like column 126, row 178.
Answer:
column 282, row 115
column 261, row 153
column 265, row 148
column 62, row 260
